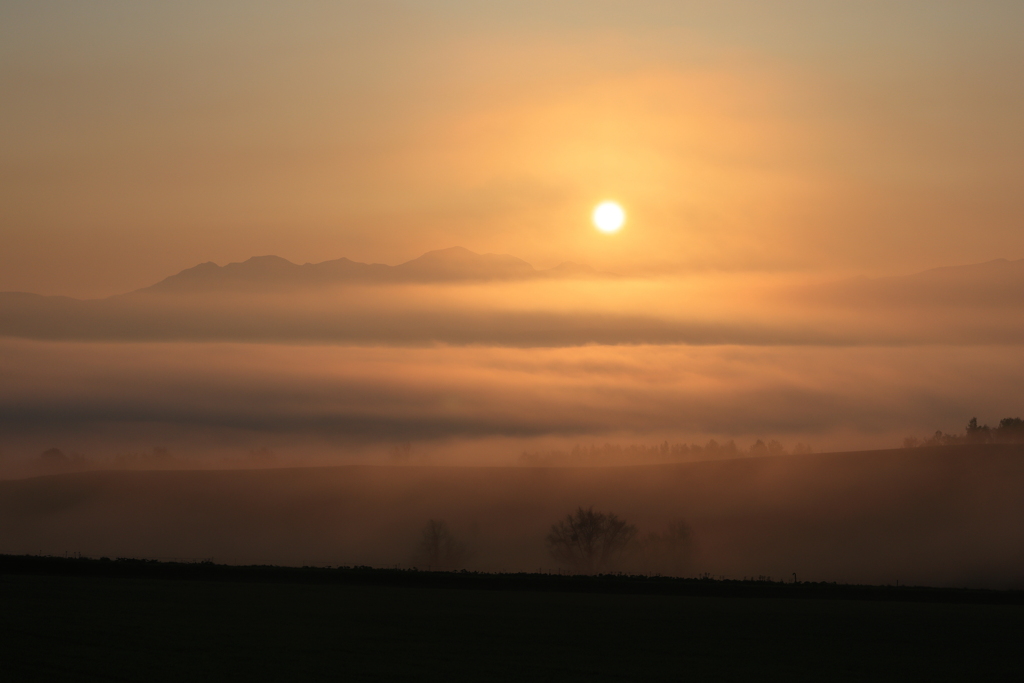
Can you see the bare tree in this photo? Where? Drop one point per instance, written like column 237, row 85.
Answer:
column 588, row 541
column 439, row 548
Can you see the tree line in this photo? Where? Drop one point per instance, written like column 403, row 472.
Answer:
column 1009, row 430
column 594, row 454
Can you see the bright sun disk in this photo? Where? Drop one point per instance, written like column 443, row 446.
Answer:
column 609, row 217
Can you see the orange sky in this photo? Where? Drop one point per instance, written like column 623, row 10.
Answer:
column 835, row 137
column 764, row 153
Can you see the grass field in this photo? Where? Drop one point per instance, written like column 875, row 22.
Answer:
column 123, row 628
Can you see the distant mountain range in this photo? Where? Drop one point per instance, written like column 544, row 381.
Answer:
column 981, row 303
column 261, row 273
column 997, row 282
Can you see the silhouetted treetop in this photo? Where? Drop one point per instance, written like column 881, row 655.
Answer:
column 1010, row 429
column 587, row 541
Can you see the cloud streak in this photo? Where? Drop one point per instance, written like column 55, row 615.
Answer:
column 360, row 395
column 273, row 301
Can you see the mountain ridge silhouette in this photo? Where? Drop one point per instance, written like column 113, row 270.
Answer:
column 270, row 299
column 454, row 264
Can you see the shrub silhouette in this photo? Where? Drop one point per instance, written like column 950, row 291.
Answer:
column 587, row 541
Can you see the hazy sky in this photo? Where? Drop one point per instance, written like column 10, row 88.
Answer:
column 759, row 149
column 137, row 139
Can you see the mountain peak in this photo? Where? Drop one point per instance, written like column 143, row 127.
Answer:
column 459, row 263
column 269, row 260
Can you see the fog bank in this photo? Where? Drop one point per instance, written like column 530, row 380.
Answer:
column 485, row 405
column 928, row 516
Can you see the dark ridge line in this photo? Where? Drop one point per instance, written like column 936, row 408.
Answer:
column 610, row 584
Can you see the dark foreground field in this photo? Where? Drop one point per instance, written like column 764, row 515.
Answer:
column 111, row 622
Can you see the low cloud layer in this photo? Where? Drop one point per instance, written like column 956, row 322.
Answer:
column 486, row 370
column 105, row 396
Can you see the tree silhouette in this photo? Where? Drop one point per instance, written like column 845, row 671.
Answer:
column 439, row 548
column 588, row 541
column 976, row 434
column 1010, row 429
column 759, row 448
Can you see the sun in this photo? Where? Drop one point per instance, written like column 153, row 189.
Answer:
column 608, row 217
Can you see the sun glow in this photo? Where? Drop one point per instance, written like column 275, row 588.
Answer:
column 608, row 217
